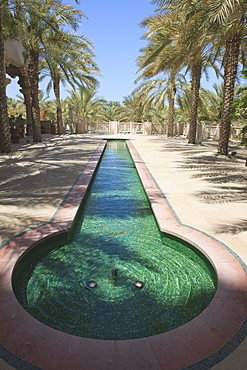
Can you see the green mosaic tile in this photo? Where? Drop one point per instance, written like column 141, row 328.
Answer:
column 115, row 229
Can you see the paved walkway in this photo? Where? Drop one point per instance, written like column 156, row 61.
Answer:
column 206, row 192
column 35, row 178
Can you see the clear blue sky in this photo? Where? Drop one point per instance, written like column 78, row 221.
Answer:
column 113, row 27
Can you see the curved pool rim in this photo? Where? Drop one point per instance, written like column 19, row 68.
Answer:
column 34, row 344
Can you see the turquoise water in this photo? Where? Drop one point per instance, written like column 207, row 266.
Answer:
column 115, row 229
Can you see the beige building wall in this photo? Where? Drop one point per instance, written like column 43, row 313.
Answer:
column 13, row 51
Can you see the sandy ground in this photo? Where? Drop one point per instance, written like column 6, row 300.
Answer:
column 206, row 192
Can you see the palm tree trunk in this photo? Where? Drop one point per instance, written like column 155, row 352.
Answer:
column 56, row 89
column 171, row 100
column 230, row 72
column 33, row 74
column 5, row 146
column 196, row 72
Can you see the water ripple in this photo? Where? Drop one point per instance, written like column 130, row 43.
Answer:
column 116, row 230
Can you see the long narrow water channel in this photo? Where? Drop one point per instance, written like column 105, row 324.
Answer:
column 115, row 230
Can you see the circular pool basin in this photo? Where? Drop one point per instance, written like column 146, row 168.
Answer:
column 115, row 241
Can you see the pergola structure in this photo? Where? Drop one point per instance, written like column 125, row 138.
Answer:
column 15, row 67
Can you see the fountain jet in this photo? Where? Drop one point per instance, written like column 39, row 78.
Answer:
column 114, row 274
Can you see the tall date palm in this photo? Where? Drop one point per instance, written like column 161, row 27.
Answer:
column 223, row 22
column 177, row 42
column 19, row 18
column 36, row 43
column 230, row 22
column 156, row 91
column 71, row 61
column 90, row 107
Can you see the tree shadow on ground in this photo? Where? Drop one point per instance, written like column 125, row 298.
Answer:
column 225, row 175
column 37, row 177
column 224, row 194
column 236, row 228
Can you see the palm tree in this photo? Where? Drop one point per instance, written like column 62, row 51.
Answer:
column 30, row 13
column 112, row 111
column 70, row 61
column 178, row 46
column 240, row 101
column 16, row 107
column 177, row 43
column 157, row 90
column 19, row 104
column 156, row 59
column 223, row 22
column 36, row 41
column 228, row 18
column 209, row 105
column 90, row 107
column 133, row 108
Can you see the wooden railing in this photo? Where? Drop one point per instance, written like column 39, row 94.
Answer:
column 147, row 128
